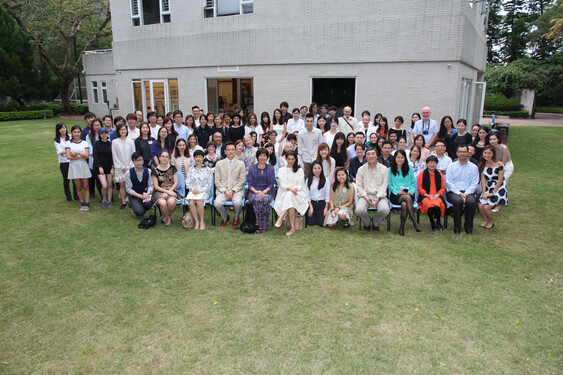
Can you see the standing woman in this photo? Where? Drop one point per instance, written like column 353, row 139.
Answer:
column 190, row 124
column 401, row 188
column 249, row 149
column 291, row 197
column 328, row 163
column 431, row 190
column 328, row 136
column 266, row 124
column 493, row 185
column 143, row 143
column 218, row 126
column 462, row 137
column 181, row 158
column 172, row 134
column 475, row 132
column 383, row 129
column 160, row 145
column 414, row 118
column 198, row 182
column 192, row 144
column 211, row 158
column 502, row 153
column 103, row 165
column 121, row 150
column 447, row 133
column 61, row 138
column 421, row 142
column 92, row 137
column 341, row 200
column 261, row 181
column 77, row 152
column 318, row 194
column 397, row 128
column 236, row 130
column 279, row 125
column 165, row 180
column 339, row 152
column 481, row 142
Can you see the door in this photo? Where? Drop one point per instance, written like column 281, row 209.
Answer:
column 338, row 92
column 156, row 96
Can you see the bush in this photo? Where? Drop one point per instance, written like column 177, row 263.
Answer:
column 549, row 109
column 57, row 108
column 499, row 102
column 519, row 114
column 25, row 115
column 78, row 108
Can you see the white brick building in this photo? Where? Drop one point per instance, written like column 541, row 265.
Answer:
column 390, row 56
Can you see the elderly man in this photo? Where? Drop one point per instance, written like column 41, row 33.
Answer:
column 347, row 123
column 309, row 140
column 427, row 127
column 371, row 184
column 230, row 177
column 462, row 178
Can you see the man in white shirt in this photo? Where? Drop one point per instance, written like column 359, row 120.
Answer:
column 427, row 127
column 347, row 123
column 180, row 128
column 139, row 115
column 133, row 131
column 196, row 113
column 443, row 160
column 309, row 140
column 295, row 124
column 151, row 117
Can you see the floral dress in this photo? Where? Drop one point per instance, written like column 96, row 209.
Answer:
column 491, row 176
column 200, row 179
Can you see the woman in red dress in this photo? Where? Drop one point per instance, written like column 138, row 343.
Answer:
column 431, row 189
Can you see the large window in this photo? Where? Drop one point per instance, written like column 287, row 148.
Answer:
column 338, row 92
column 229, row 94
column 148, row 12
column 95, row 95
column 219, row 8
column 159, row 95
column 104, row 92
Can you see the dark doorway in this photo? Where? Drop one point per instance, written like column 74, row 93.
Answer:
column 338, row 92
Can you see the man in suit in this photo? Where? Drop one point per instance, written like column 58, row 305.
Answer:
column 347, row 123
column 230, row 177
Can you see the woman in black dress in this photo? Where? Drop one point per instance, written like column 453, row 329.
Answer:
column 339, row 152
column 103, row 164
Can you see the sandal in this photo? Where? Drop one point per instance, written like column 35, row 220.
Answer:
column 123, row 206
column 347, row 225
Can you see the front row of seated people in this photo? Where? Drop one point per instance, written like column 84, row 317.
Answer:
column 323, row 199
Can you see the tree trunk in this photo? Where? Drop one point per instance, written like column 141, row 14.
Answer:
column 65, row 95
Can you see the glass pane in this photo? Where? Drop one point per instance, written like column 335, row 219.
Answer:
column 151, row 12
column 95, row 94
column 158, row 97
column 228, row 7
column 148, row 95
column 173, row 95
column 105, row 95
column 212, row 105
column 137, row 95
column 246, row 95
column 247, row 7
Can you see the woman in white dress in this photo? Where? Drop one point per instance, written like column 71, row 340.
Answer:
column 121, row 150
column 198, row 182
column 292, row 196
column 278, row 125
column 328, row 136
column 78, row 152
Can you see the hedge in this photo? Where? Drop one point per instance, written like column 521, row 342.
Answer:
column 25, row 115
column 519, row 114
column 549, row 109
column 57, row 108
column 499, row 102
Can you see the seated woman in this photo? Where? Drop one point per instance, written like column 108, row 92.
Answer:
column 318, row 194
column 401, row 187
column 502, row 153
column 193, row 144
column 165, row 181
column 240, row 155
column 159, row 145
column 291, row 197
column 357, row 161
column 181, row 158
column 261, row 181
column 327, row 161
column 421, row 142
column 493, row 185
column 341, row 200
column 198, row 182
column 431, row 190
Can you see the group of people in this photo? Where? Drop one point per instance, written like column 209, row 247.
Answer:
column 308, row 163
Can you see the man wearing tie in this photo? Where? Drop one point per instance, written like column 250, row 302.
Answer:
column 230, row 177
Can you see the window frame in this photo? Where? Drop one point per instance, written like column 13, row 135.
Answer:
column 212, row 5
column 95, row 92
column 136, row 9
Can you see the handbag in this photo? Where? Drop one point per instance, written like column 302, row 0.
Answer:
column 147, row 222
column 187, row 221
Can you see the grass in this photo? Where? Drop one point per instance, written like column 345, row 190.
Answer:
column 89, row 293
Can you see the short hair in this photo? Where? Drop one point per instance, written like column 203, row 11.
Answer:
column 361, row 145
column 304, row 106
column 204, row 116
column 210, row 143
column 106, row 116
column 295, row 110
column 371, row 148
column 324, row 106
column 262, row 151
column 309, row 115
column 177, row 112
column 228, row 144
column 366, row 112
column 136, row 155
column 332, row 108
column 194, row 107
column 387, row 143
column 118, row 119
column 291, row 137
column 235, row 115
column 440, row 140
column 461, row 146
column 284, row 104
column 198, row 152
column 400, row 118
column 360, row 133
column 89, row 115
column 119, row 127
column 462, row 120
column 431, row 158
column 131, row 116
column 151, row 113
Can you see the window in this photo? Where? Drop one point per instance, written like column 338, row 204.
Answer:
column 159, row 95
column 230, row 93
column 95, row 97
column 104, row 92
column 148, row 12
column 219, row 8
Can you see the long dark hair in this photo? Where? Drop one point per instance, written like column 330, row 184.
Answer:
column 336, row 182
column 58, row 127
column 322, row 179
column 272, row 157
column 268, row 122
column 482, row 160
column 296, row 164
column 274, row 121
column 334, row 149
column 161, row 143
column 177, row 152
column 412, row 122
column 442, row 131
column 405, row 167
column 91, row 135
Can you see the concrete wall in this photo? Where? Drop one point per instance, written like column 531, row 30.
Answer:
column 99, row 67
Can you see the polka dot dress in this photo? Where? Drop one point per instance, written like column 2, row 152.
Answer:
column 501, row 196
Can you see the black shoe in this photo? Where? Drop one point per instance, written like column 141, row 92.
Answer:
column 367, row 228
column 76, row 199
column 374, row 228
column 469, row 230
column 440, row 228
column 401, row 231
column 123, row 206
column 457, row 230
column 68, row 199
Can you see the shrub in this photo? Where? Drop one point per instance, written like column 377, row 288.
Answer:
column 549, row 109
column 78, row 108
column 499, row 102
column 57, row 108
column 25, row 115
column 519, row 114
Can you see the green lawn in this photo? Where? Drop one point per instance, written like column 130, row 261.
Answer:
column 89, row 293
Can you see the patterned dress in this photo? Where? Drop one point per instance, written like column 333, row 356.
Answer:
column 501, row 196
column 199, row 179
column 165, row 179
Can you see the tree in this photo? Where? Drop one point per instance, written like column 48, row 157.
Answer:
column 555, row 32
column 54, row 26
column 494, row 32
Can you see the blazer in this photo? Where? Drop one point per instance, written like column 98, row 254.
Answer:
column 345, row 128
column 238, row 175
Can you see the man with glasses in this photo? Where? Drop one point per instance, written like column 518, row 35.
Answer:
column 443, row 160
column 427, row 127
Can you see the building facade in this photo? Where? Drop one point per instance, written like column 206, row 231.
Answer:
column 388, row 56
